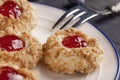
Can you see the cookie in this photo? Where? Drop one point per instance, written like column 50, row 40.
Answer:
column 69, row 51
column 13, row 72
column 16, row 16
column 20, row 49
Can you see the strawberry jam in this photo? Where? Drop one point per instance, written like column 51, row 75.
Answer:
column 10, row 8
column 74, row 41
column 11, row 43
column 8, row 73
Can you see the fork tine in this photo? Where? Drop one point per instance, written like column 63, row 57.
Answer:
column 84, row 18
column 68, row 13
column 75, row 11
column 75, row 16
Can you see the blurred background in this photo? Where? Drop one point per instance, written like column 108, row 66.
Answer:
column 95, row 4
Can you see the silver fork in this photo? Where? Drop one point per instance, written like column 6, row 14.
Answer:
column 82, row 13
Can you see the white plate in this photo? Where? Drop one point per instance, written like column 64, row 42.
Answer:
column 109, row 68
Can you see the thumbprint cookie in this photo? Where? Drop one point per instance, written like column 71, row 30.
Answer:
column 13, row 72
column 16, row 15
column 70, row 50
column 21, row 50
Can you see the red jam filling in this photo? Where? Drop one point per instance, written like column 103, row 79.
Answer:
column 74, row 41
column 11, row 43
column 10, row 8
column 8, row 73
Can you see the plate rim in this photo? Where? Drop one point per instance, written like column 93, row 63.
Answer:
column 114, row 48
column 104, row 34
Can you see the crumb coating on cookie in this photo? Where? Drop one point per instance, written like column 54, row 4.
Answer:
column 24, row 23
column 27, row 57
column 28, row 74
column 70, row 60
